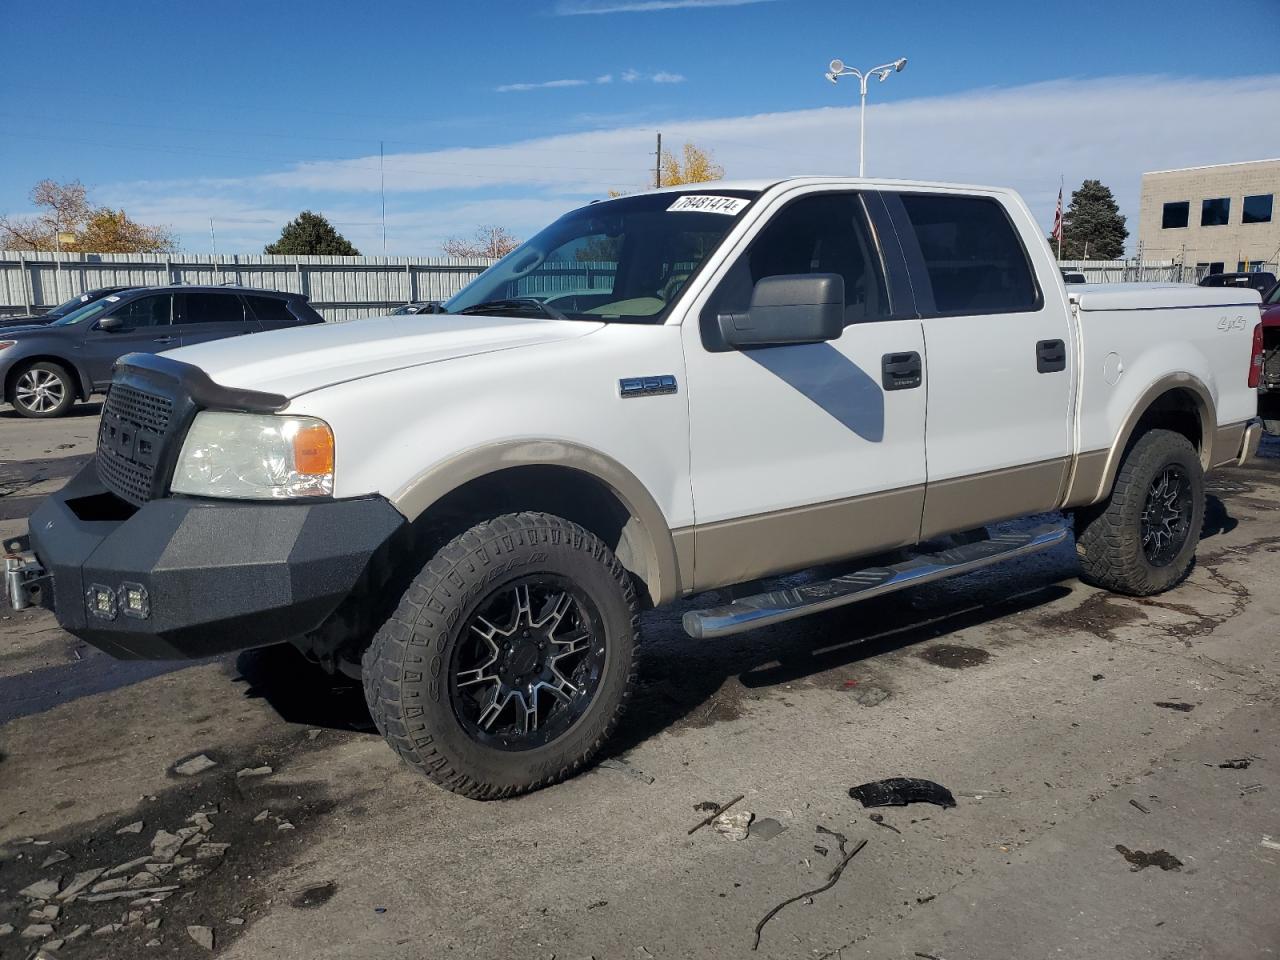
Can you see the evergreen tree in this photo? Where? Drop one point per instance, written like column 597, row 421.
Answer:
column 311, row 233
column 1092, row 220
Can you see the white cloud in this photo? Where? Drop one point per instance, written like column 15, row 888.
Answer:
column 569, row 8
column 1112, row 129
column 663, row 76
column 628, row 76
column 544, row 85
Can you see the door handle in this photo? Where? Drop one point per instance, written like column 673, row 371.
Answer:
column 163, row 340
column 1051, row 356
column 901, row 371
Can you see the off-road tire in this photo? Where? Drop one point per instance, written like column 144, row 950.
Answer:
column 405, row 669
column 1108, row 535
column 68, row 385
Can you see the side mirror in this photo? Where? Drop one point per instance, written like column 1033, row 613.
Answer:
column 788, row 309
column 110, row 324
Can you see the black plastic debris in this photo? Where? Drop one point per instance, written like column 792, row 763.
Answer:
column 1180, row 707
column 1140, row 859
column 900, row 791
column 1241, row 764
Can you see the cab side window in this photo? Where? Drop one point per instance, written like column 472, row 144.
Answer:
column 821, row 233
column 973, row 257
column 210, row 308
column 152, row 311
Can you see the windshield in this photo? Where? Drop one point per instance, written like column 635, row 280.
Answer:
column 1274, row 296
column 622, row 260
column 87, row 312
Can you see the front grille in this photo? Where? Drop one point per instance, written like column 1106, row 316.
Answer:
column 131, row 437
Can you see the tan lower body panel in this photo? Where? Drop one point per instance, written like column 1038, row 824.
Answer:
column 1226, row 443
column 735, row 551
column 1086, row 483
column 966, row 502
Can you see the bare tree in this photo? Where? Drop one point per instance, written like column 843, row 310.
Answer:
column 68, row 221
column 490, row 241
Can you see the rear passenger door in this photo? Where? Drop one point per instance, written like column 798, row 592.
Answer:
column 203, row 315
column 1000, row 377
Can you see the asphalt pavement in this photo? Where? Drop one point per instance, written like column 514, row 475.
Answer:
column 1114, row 764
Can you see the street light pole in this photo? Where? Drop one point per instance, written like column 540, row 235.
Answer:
column 837, row 69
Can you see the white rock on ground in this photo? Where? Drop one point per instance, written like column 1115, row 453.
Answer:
column 255, row 772
column 262, row 816
column 42, row 889
column 211, row 851
column 202, row 935
column 108, row 929
column 165, row 845
column 51, row 945
column 127, row 867
column 78, row 932
column 106, row 886
column 6, row 929
column 35, row 930
column 733, row 826
column 48, row 912
column 190, row 768
column 202, row 821
column 135, row 827
column 56, row 857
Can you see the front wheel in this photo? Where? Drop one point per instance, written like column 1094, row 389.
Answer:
column 43, row 390
column 509, row 659
column 1142, row 540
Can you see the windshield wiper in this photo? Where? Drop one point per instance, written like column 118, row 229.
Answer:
column 516, row 303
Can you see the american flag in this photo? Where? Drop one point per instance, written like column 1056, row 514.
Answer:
column 1057, row 219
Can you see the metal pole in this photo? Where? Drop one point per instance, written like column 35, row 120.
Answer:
column 862, row 131
column 383, row 177
column 657, row 163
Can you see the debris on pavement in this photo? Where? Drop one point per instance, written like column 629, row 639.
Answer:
column 900, row 791
column 56, row 857
column 878, row 820
column 717, row 812
column 263, row 771
column 1140, row 859
column 1241, row 764
column 1135, row 803
column 832, row 879
column 1172, row 705
column 869, row 695
column 6, row 929
column 622, row 766
column 1269, row 843
column 197, row 764
column 135, row 827
column 733, row 826
column 1097, row 676
column 314, row 895
column 79, row 883
column 767, row 829
column 41, row 889
column 36, row 930
column 202, row 936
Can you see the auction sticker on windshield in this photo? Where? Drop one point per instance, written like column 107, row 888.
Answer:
column 703, row 203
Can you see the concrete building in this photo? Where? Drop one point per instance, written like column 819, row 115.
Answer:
column 1218, row 218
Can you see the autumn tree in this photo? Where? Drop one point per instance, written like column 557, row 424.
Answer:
column 488, row 242
column 311, row 233
column 697, row 167
column 1093, row 224
column 68, row 221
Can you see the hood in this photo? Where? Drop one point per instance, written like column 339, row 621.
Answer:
column 26, row 326
column 299, row 360
column 26, row 321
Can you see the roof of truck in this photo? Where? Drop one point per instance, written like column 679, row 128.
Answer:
column 766, row 183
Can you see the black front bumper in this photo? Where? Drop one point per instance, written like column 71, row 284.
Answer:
column 213, row 576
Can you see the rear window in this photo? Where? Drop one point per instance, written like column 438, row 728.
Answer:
column 972, row 254
column 273, row 310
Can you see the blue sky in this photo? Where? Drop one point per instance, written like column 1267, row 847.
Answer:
column 510, row 113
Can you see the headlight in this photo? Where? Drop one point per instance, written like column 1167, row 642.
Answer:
column 255, row 457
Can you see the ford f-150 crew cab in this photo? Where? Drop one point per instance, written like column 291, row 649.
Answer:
column 657, row 396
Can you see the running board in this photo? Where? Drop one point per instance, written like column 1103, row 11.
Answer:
column 777, row 606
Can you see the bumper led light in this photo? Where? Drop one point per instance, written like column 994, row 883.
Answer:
column 101, row 602
column 134, row 601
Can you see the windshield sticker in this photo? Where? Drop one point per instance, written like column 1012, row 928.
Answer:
column 113, row 298
column 702, row 203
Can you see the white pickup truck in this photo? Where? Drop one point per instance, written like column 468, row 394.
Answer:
column 657, row 396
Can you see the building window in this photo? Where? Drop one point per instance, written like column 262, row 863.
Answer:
column 1257, row 209
column 1215, row 212
column 1175, row 215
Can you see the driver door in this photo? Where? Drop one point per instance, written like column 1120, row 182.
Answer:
column 145, row 328
column 808, row 453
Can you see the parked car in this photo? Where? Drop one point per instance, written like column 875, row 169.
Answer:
column 1268, row 374
column 61, row 310
column 421, row 306
column 1262, row 282
column 1073, row 276
column 471, row 514
column 45, row 368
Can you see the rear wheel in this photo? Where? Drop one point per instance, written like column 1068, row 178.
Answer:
column 43, row 390
column 1143, row 539
column 509, row 660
